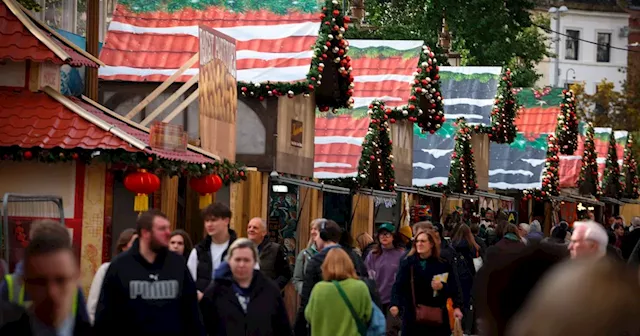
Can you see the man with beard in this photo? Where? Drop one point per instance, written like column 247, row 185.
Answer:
column 148, row 290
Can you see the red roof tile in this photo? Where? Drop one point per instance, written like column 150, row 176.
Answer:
column 29, row 119
column 17, row 43
column 187, row 156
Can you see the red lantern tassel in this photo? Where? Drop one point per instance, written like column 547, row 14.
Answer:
column 205, row 200
column 141, row 203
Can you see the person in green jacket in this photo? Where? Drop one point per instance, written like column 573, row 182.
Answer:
column 305, row 255
column 327, row 312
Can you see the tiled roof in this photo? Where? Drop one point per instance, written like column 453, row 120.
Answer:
column 29, row 119
column 152, row 46
column 18, row 43
column 187, row 156
column 382, row 70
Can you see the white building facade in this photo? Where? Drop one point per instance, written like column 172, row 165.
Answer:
column 582, row 61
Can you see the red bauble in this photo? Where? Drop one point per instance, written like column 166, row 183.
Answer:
column 142, row 182
column 206, row 184
column 27, row 155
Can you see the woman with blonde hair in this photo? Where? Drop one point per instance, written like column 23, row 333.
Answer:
column 423, row 308
column 364, row 244
column 306, row 255
column 327, row 311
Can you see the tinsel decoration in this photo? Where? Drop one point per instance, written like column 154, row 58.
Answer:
column 629, row 175
column 567, row 126
column 120, row 159
column 611, row 182
column 505, row 110
column 376, row 169
column 462, row 175
column 550, row 177
column 588, row 179
column 329, row 62
column 426, row 95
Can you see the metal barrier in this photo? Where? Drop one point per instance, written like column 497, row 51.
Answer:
column 29, row 206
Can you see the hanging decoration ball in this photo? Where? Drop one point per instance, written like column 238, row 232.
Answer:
column 206, row 186
column 27, row 155
column 142, row 183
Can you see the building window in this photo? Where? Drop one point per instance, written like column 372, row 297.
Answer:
column 572, row 45
column 604, row 47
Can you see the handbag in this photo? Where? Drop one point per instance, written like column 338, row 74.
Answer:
column 477, row 261
column 377, row 325
column 424, row 314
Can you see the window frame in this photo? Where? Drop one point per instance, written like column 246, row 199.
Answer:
column 577, row 43
column 610, row 33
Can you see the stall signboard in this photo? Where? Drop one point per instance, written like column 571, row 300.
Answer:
column 218, row 96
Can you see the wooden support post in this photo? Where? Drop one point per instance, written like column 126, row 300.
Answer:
column 169, row 195
column 93, row 37
column 480, row 144
column 247, row 198
column 153, row 95
column 362, row 215
column 307, row 198
column 186, row 86
column 548, row 215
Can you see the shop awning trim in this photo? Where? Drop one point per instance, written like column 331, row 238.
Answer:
column 312, row 185
column 486, row 194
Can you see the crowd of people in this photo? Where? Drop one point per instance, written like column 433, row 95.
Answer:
column 487, row 278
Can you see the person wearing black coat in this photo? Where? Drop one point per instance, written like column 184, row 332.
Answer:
column 228, row 308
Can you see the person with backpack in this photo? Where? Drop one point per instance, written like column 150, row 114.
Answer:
column 305, row 255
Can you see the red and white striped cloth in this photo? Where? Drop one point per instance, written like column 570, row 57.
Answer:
column 152, row 46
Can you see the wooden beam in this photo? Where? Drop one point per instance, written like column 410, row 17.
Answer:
column 153, row 95
column 93, row 43
column 362, row 215
column 170, row 100
column 185, row 103
column 169, row 203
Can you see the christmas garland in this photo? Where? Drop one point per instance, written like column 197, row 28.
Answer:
column 505, row 109
column 119, row 158
column 426, row 95
column 551, row 176
column 612, row 185
column 588, row 179
column 462, row 174
column 330, row 52
column 629, row 175
column 567, row 127
column 375, row 169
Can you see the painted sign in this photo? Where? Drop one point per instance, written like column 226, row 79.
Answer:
column 218, row 94
column 168, row 136
column 296, row 133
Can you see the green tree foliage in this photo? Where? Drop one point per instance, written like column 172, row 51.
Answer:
column 485, row 32
column 588, row 178
column 31, row 5
column 629, row 174
column 462, row 175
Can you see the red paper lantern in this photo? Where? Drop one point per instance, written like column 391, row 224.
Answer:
column 206, row 186
column 142, row 183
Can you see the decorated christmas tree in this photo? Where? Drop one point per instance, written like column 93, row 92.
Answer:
column 462, row 174
column 611, row 182
column 550, row 177
column 567, row 126
column 588, row 179
column 629, row 174
column 375, row 169
column 426, row 93
column 505, row 109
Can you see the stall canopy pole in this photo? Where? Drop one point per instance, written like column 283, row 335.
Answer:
column 353, row 214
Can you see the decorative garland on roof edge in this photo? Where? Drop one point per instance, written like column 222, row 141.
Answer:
column 588, row 179
column 567, row 126
column 330, row 47
column 550, row 176
column 462, row 174
column 228, row 171
column 375, row 169
column 612, row 184
column 629, row 175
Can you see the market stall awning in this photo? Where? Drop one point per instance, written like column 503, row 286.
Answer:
column 23, row 37
column 311, row 184
column 574, row 198
column 494, row 196
column 611, row 200
column 51, row 120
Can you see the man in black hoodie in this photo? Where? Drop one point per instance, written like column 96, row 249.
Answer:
column 148, row 290
column 208, row 254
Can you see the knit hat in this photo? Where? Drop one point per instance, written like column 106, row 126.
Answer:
column 406, row 231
